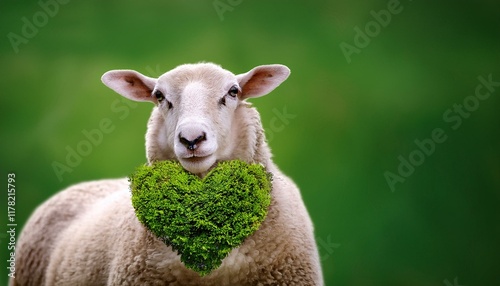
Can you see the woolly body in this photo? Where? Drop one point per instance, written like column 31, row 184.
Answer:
column 89, row 234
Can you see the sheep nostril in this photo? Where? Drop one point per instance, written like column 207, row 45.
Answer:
column 192, row 144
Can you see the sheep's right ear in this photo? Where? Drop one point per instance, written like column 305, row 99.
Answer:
column 130, row 84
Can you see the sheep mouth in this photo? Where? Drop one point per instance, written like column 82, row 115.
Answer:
column 195, row 156
column 197, row 164
column 196, row 159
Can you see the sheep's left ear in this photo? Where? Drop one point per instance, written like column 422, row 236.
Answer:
column 262, row 80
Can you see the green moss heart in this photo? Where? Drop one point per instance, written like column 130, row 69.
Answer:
column 202, row 219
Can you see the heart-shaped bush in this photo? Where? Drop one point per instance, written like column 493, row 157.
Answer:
column 202, row 219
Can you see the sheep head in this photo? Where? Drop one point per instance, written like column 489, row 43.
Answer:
column 196, row 120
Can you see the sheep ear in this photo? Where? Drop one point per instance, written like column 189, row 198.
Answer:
column 262, row 80
column 130, row 84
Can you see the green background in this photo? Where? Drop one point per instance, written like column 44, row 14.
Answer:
column 346, row 123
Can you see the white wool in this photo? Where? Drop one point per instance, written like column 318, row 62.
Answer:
column 88, row 234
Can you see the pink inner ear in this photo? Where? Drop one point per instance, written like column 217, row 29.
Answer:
column 138, row 89
column 134, row 80
column 257, row 83
column 262, row 80
column 130, row 80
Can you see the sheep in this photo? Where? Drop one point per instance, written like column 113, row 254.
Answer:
column 89, row 234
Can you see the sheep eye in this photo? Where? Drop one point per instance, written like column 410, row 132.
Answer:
column 233, row 91
column 159, row 95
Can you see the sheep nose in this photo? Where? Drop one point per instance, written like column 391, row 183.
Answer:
column 192, row 143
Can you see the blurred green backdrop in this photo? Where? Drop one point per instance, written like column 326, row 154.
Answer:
column 368, row 79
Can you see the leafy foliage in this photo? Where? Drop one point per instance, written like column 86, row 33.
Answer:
column 202, row 219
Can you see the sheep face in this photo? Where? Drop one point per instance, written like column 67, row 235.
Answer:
column 198, row 104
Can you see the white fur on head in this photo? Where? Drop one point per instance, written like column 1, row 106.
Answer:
column 200, row 115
